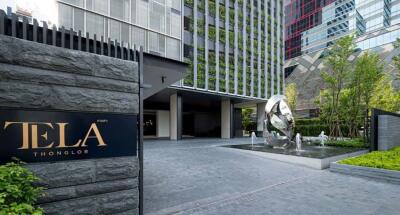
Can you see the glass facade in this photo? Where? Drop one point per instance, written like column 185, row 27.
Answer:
column 333, row 20
column 153, row 24
column 300, row 16
column 338, row 19
column 395, row 12
column 376, row 13
column 386, row 36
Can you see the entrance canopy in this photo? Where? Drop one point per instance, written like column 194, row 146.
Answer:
column 159, row 73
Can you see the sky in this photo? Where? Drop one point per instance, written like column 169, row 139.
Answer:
column 42, row 10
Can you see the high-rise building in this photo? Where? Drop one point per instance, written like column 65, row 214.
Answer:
column 233, row 49
column 338, row 19
column 300, row 16
column 376, row 13
column 395, row 12
column 376, row 24
column 156, row 24
column 312, row 28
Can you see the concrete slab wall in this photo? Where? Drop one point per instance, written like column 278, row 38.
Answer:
column 388, row 132
column 226, row 117
column 44, row 77
column 162, row 123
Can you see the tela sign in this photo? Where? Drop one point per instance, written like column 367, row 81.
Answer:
column 33, row 136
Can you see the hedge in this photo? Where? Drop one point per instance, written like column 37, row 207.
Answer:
column 377, row 159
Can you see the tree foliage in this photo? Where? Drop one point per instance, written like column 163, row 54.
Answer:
column 291, row 95
column 352, row 91
column 335, row 77
column 17, row 193
column 246, row 118
column 396, row 59
column 384, row 96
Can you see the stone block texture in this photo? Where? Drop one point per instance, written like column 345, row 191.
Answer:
column 38, row 76
column 388, row 132
column 45, row 77
column 93, row 186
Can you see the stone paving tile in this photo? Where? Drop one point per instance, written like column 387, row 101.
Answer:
column 197, row 177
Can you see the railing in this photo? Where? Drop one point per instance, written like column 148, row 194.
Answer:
column 19, row 27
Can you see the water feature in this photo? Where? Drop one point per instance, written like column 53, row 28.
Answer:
column 253, row 138
column 323, row 138
column 298, row 142
column 307, row 150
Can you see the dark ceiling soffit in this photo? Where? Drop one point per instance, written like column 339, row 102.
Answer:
column 164, row 59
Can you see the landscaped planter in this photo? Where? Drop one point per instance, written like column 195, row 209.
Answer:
column 369, row 172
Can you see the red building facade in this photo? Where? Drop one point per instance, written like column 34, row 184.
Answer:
column 301, row 15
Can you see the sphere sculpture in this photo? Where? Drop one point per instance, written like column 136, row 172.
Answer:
column 278, row 115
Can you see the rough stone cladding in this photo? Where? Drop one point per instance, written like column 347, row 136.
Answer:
column 44, row 77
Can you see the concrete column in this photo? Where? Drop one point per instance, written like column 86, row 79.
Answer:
column 163, row 123
column 175, row 117
column 226, row 119
column 260, row 117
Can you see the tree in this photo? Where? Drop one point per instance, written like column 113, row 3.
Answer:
column 396, row 59
column 335, row 77
column 291, row 95
column 368, row 72
column 246, row 118
column 384, row 96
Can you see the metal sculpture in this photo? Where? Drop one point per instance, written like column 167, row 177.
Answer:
column 278, row 115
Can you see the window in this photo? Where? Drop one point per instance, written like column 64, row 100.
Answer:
column 133, row 11
column 143, row 13
column 95, row 25
column 156, row 43
column 79, row 21
column 78, row 3
column 115, row 30
column 124, row 32
column 100, row 6
column 65, row 16
column 139, row 37
column 176, row 4
column 119, row 31
column 120, row 9
column 176, row 25
column 173, row 49
column 157, row 16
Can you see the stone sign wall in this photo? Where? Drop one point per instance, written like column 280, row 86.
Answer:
column 44, row 77
column 388, row 132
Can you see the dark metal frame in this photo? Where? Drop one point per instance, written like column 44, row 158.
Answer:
column 374, row 126
column 140, row 144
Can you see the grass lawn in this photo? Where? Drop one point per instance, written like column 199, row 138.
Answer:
column 377, row 159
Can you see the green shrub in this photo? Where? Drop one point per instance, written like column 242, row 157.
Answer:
column 379, row 159
column 313, row 121
column 314, row 126
column 17, row 192
column 354, row 143
column 310, row 130
column 397, row 149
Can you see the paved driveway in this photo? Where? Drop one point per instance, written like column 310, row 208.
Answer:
column 198, row 177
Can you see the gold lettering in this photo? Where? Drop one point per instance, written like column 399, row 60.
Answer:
column 62, row 144
column 34, row 131
column 25, row 133
column 98, row 136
